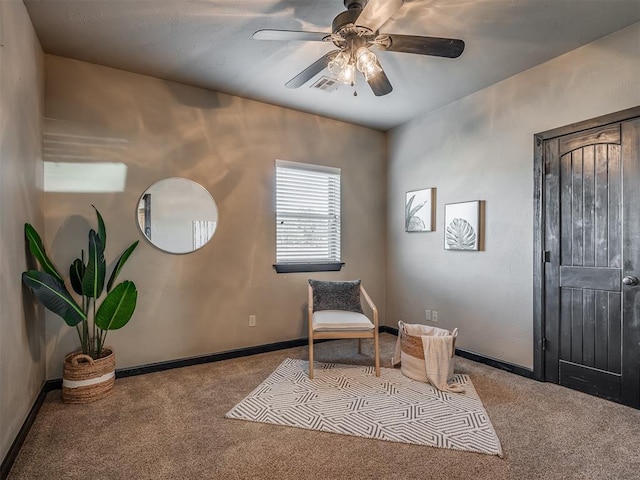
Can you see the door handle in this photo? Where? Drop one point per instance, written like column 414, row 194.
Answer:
column 630, row 281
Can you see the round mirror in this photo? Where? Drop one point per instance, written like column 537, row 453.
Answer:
column 177, row 215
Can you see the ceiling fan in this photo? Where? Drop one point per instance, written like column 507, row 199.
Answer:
column 354, row 32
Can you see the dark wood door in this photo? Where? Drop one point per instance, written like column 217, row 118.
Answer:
column 592, row 260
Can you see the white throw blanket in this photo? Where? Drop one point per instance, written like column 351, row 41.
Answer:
column 437, row 344
column 437, row 352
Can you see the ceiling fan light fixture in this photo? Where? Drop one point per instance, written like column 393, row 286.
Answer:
column 337, row 64
column 353, row 32
column 343, row 68
column 367, row 63
column 348, row 74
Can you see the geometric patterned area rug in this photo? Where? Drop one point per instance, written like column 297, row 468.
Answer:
column 351, row 400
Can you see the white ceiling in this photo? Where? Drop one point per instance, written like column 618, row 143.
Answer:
column 209, row 44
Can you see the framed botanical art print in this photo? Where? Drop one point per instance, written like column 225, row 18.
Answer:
column 419, row 210
column 463, row 225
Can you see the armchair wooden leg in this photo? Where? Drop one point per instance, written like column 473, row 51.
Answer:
column 311, row 357
column 376, row 352
column 359, row 346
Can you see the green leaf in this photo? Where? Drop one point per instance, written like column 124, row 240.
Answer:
column 76, row 273
column 37, row 250
column 118, row 306
column 102, row 230
column 93, row 279
column 120, row 263
column 52, row 293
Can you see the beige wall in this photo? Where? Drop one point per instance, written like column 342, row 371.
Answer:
column 481, row 148
column 199, row 303
column 22, row 363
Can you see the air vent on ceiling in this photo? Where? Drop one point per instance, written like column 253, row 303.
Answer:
column 327, row 84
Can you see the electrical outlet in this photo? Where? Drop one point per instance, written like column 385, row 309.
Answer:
column 427, row 314
column 434, row 316
column 252, row 320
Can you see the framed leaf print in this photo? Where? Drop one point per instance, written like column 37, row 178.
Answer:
column 463, row 225
column 419, row 210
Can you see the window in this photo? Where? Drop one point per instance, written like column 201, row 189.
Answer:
column 307, row 217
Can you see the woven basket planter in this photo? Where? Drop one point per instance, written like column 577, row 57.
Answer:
column 86, row 380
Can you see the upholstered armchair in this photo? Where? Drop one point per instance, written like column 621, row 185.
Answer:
column 335, row 311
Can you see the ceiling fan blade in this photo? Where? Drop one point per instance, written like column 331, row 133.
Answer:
column 285, row 35
column 312, row 70
column 380, row 84
column 439, row 47
column 377, row 12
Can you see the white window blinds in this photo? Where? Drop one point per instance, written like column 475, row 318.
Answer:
column 307, row 213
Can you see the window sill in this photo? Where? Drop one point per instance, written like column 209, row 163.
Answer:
column 308, row 267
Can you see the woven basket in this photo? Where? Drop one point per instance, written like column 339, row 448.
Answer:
column 411, row 358
column 411, row 345
column 86, row 380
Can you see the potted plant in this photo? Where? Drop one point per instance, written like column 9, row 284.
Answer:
column 88, row 374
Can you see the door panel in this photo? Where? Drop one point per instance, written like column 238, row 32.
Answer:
column 631, row 264
column 590, row 328
column 589, row 277
column 592, row 239
column 601, row 334
column 590, row 380
column 614, row 361
column 606, row 134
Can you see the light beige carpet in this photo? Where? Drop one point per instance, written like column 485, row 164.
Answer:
column 171, row 425
column 351, row 400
